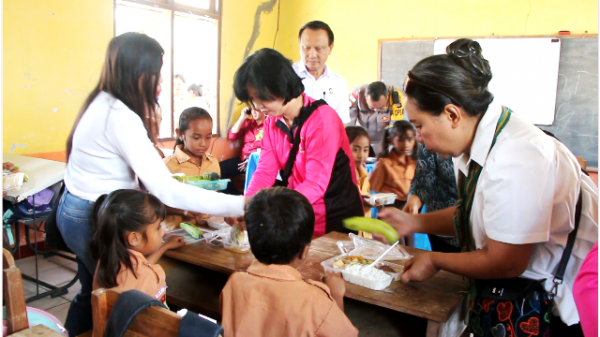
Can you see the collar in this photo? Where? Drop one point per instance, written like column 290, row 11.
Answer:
column 142, row 261
column 304, row 71
column 484, row 135
column 278, row 272
column 182, row 157
column 362, row 172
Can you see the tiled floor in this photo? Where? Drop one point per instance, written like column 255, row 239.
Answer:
column 54, row 270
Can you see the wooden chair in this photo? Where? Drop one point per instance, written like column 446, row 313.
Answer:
column 153, row 321
column 582, row 162
column 13, row 294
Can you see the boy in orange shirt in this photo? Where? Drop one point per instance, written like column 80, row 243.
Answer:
column 271, row 298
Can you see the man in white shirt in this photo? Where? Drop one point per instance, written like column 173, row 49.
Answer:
column 320, row 82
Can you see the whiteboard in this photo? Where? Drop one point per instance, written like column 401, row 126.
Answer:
column 525, row 74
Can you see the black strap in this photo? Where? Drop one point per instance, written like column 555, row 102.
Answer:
column 564, row 260
column 305, row 112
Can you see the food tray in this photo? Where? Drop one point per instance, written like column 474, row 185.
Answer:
column 361, row 281
column 214, row 185
column 381, row 199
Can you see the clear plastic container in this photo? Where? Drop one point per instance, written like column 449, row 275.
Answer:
column 216, row 222
column 371, row 248
column 223, row 237
column 213, row 185
column 362, row 281
column 381, row 199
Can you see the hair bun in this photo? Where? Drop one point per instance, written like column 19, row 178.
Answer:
column 467, row 54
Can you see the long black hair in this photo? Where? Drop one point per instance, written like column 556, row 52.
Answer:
column 131, row 73
column 354, row 132
column 398, row 129
column 115, row 216
column 270, row 74
column 460, row 77
column 188, row 115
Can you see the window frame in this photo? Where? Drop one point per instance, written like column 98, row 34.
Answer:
column 213, row 12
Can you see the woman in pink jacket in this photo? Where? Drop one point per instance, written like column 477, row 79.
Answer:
column 323, row 167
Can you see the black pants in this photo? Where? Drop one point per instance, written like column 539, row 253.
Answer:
column 79, row 317
column 229, row 169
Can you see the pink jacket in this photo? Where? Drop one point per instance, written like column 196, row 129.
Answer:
column 585, row 292
column 252, row 137
column 322, row 137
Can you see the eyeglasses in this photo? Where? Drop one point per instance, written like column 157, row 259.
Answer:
column 410, row 78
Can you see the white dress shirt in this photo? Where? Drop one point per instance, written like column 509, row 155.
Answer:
column 111, row 151
column 526, row 194
column 330, row 86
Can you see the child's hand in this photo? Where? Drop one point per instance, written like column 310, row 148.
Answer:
column 10, row 167
column 174, row 241
column 245, row 113
column 336, row 283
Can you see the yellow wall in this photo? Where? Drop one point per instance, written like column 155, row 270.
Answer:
column 359, row 24
column 237, row 25
column 53, row 52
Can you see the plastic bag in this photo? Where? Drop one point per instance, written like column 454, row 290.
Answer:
column 371, row 248
column 228, row 238
column 12, row 182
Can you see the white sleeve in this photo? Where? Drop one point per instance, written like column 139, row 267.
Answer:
column 343, row 108
column 519, row 193
column 129, row 137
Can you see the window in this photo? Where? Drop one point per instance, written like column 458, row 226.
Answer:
column 188, row 31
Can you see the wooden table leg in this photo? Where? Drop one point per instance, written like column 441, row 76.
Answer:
column 433, row 328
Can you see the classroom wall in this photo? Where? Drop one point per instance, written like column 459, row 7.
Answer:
column 53, row 51
column 358, row 25
column 246, row 26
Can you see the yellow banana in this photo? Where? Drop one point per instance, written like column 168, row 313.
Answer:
column 359, row 223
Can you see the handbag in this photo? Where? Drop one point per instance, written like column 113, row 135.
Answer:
column 305, row 112
column 519, row 306
column 53, row 236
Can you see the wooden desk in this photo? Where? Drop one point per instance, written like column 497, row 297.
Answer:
column 435, row 299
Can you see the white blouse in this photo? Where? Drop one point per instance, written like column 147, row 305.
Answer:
column 526, row 193
column 111, row 150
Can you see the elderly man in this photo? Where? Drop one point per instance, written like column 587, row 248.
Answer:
column 316, row 44
column 373, row 107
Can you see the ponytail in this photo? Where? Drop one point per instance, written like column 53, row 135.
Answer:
column 115, row 216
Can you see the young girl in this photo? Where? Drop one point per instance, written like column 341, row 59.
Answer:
column 396, row 167
column 359, row 144
column 127, row 242
column 194, row 137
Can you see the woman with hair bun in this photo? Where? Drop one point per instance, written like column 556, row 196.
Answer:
column 518, row 187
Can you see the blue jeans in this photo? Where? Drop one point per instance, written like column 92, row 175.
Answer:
column 74, row 217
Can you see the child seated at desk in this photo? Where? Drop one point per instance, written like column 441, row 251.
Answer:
column 194, row 137
column 128, row 242
column 395, row 169
column 271, row 298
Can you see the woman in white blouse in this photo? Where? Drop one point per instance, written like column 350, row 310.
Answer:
column 111, row 147
column 524, row 201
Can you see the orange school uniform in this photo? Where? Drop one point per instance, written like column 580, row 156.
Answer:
column 390, row 176
column 180, row 162
column 274, row 300
column 145, row 277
